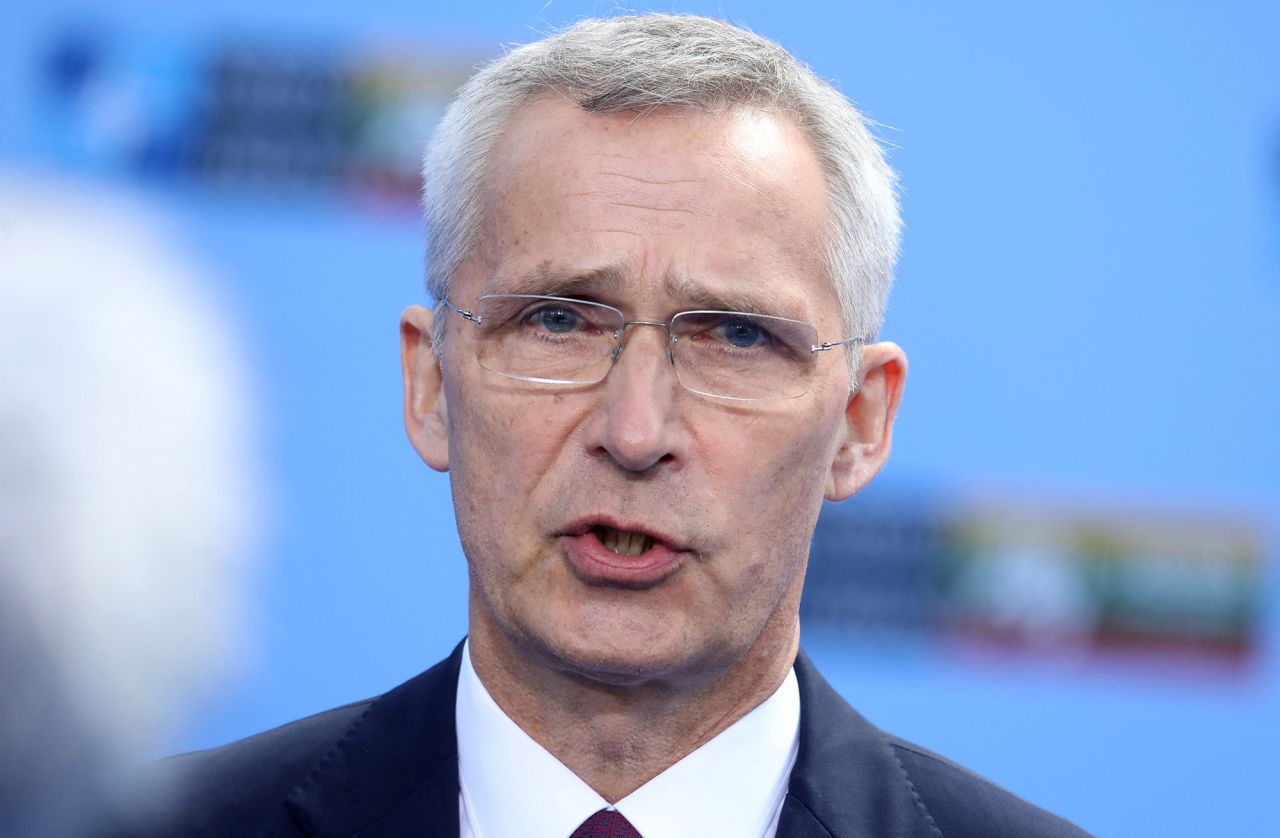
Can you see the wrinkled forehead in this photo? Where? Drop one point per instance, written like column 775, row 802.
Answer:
column 738, row 191
column 734, row 138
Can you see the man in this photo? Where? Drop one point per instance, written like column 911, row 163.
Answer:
column 661, row 249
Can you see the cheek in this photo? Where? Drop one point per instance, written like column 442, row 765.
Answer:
column 501, row 449
column 478, row 474
column 776, row 468
column 773, row 480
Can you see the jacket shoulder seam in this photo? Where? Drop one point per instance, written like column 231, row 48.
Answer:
column 925, row 753
column 318, row 766
column 911, row 787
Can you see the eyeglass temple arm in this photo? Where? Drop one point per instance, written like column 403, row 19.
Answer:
column 466, row 315
column 823, row 347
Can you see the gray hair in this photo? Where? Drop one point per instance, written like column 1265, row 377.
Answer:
column 644, row 62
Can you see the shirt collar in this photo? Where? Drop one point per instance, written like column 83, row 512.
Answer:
column 732, row 785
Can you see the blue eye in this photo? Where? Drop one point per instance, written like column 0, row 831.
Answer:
column 557, row 319
column 742, row 333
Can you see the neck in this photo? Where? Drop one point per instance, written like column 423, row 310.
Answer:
column 618, row 737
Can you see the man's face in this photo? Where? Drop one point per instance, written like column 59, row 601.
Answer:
column 674, row 210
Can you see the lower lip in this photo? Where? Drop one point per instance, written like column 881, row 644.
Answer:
column 596, row 564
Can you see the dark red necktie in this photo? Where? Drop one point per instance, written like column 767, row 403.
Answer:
column 606, row 824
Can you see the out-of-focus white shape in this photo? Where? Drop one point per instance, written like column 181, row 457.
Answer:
column 128, row 483
column 1034, row 590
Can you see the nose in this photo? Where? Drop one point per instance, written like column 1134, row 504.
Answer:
column 637, row 423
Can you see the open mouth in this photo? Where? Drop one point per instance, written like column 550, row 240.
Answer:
column 615, row 557
column 623, row 542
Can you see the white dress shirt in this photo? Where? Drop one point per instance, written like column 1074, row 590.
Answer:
column 732, row 786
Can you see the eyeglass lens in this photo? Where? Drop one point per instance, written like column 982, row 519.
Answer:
column 717, row 353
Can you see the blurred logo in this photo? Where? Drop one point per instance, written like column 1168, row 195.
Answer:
column 265, row 119
column 1041, row 577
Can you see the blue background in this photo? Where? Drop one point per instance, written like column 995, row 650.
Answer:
column 1089, row 296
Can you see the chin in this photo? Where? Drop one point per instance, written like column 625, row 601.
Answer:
column 627, row 659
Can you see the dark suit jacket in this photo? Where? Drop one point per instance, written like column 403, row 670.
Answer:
column 388, row 767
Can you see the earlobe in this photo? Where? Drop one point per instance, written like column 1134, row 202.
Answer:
column 868, row 415
column 425, row 412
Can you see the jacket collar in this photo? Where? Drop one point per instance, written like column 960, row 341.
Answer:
column 847, row 782
column 395, row 771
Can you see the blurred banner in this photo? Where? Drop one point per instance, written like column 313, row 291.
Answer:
column 266, row 117
column 1042, row 577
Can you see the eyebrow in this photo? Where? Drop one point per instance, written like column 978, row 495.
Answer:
column 609, row 282
column 715, row 299
column 552, row 283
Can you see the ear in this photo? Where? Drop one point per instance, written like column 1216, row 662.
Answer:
column 426, row 416
column 868, row 417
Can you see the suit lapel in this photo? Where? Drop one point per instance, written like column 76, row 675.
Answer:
column 395, row 771
column 847, row 783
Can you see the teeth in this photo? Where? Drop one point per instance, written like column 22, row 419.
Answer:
column 624, row 542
